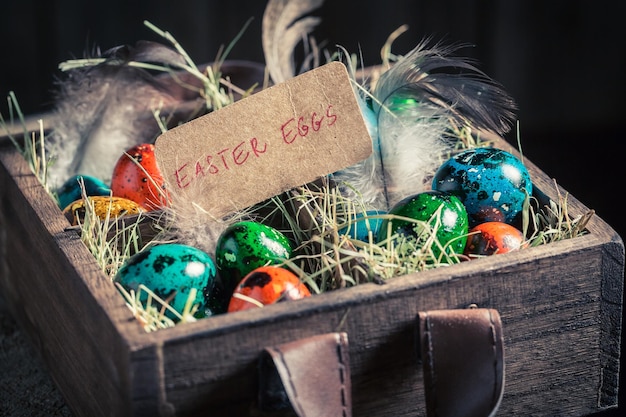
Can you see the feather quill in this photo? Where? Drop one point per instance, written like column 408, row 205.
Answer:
column 413, row 108
column 285, row 25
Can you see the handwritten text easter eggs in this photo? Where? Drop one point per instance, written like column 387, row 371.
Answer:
column 227, row 158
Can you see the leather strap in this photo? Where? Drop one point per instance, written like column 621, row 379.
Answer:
column 462, row 356
column 310, row 376
column 463, row 360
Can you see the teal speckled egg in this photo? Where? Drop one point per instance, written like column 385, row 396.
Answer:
column 171, row 271
column 245, row 246
column 491, row 183
column 71, row 191
column 441, row 210
column 361, row 224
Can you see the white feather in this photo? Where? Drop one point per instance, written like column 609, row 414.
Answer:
column 104, row 110
column 414, row 106
column 187, row 223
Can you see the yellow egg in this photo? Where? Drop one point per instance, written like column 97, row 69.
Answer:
column 113, row 206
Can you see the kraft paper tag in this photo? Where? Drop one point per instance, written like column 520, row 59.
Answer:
column 282, row 137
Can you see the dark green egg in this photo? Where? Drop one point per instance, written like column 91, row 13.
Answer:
column 247, row 245
column 443, row 212
column 171, row 271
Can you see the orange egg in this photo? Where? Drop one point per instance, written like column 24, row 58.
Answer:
column 267, row 285
column 492, row 238
column 137, row 177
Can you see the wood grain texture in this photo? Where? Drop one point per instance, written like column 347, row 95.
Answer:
column 560, row 306
column 58, row 295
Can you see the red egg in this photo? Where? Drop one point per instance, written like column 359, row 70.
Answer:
column 492, row 238
column 267, row 285
column 137, row 177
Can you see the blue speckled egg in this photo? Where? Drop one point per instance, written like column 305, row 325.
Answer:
column 70, row 191
column 361, row 224
column 491, row 183
column 246, row 245
column 442, row 211
column 171, row 271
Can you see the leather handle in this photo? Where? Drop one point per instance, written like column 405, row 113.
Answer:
column 462, row 356
column 310, row 377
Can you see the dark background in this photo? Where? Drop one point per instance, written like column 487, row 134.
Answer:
column 563, row 61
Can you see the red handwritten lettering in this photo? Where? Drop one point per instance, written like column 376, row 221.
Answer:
column 219, row 161
column 221, row 153
column 199, row 169
column 287, row 137
column 212, row 168
column 181, row 180
column 254, row 143
column 240, row 155
column 331, row 116
column 303, row 129
column 292, row 130
column 316, row 123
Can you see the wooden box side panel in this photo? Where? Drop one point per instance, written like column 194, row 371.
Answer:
column 611, row 278
column 56, row 292
column 611, row 316
column 551, row 328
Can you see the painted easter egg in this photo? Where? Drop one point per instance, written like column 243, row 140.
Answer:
column 491, row 183
column 103, row 207
column 401, row 101
column 267, row 285
column 247, row 245
column 171, row 271
column 442, row 211
column 362, row 224
column 71, row 189
column 137, row 177
column 491, row 238
column 411, row 107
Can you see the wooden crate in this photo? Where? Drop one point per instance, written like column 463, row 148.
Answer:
column 560, row 304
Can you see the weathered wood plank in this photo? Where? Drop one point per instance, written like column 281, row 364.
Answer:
column 59, row 296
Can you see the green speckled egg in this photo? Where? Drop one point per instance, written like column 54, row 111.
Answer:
column 432, row 207
column 171, row 271
column 245, row 246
